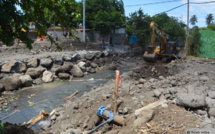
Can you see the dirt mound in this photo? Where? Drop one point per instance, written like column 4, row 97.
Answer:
column 149, row 71
column 155, row 70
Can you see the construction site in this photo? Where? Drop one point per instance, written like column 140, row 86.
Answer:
column 88, row 90
column 102, row 67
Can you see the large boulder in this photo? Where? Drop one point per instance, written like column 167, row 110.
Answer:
column 99, row 54
column 44, row 124
column 1, row 87
column 81, row 64
column 211, row 94
column 59, row 61
column 90, row 56
column 26, row 80
column 33, row 63
column 35, row 72
column 97, row 61
column 12, row 83
column 210, row 102
column 76, row 71
column 82, row 54
column 13, row 67
column 105, row 53
column 47, row 77
column 211, row 111
column 75, row 57
column 190, row 100
column 67, row 57
column 66, row 68
column 93, row 65
column 91, row 70
column 46, row 62
column 64, row 76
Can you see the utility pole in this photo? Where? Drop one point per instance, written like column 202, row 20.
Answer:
column 187, row 30
column 84, row 28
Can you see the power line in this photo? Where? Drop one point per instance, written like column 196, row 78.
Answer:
column 207, row 2
column 153, row 3
column 172, row 9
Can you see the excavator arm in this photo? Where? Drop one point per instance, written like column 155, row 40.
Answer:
column 151, row 54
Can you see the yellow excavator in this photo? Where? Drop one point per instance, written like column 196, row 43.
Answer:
column 165, row 50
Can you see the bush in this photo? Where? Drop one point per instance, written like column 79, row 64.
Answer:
column 194, row 41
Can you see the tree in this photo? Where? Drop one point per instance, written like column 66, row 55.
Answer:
column 193, row 20
column 209, row 19
column 13, row 21
column 211, row 27
column 138, row 23
column 67, row 14
column 194, row 41
column 170, row 25
column 104, row 15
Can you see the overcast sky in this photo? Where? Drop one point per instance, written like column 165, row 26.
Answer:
column 200, row 10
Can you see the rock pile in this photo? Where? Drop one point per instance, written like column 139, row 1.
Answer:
column 24, row 73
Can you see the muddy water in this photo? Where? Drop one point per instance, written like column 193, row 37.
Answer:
column 50, row 96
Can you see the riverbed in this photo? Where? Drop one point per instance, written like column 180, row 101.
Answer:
column 30, row 101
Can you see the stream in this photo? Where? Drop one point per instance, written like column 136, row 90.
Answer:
column 50, row 95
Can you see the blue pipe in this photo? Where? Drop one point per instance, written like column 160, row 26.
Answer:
column 97, row 127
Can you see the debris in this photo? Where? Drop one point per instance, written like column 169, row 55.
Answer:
column 31, row 95
column 9, row 115
column 150, row 106
column 42, row 115
column 116, row 91
column 52, row 112
column 4, row 98
column 71, row 96
column 103, row 112
column 32, row 103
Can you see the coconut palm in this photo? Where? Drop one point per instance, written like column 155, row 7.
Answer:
column 209, row 19
column 193, row 20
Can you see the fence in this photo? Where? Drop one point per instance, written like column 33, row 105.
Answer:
column 207, row 48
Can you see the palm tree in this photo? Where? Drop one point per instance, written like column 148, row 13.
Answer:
column 193, row 20
column 209, row 19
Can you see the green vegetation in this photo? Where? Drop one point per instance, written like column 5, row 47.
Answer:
column 193, row 20
column 104, row 15
column 42, row 13
column 171, row 26
column 2, row 127
column 211, row 27
column 194, row 41
column 209, row 19
column 138, row 23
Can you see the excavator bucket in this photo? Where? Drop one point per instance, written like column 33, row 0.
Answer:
column 150, row 57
